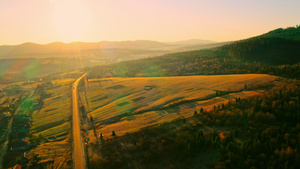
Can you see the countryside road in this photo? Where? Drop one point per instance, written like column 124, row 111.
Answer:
column 79, row 161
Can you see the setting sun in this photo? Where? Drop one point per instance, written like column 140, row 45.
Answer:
column 71, row 19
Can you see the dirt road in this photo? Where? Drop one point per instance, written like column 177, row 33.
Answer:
column 79, row 161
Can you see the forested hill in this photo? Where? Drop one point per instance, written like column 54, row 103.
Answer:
column 276, row 52
column 280, row 46
column 292, row 33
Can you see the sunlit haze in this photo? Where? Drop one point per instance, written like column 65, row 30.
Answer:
column 45, row 21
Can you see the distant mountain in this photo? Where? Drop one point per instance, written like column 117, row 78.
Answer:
column 192, row 42
column 59, row 49
column 276, row 52
column 44, row 59
column 11, row 51
column 202, row 46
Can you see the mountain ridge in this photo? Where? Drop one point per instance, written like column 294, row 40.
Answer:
column 22, row 50
column 267, row 53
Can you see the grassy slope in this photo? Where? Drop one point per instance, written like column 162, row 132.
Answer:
column 130, row 107
column 257, row 132
column 52, row 121
column 53, row 118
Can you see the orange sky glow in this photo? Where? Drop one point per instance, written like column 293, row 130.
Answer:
column 45, row 21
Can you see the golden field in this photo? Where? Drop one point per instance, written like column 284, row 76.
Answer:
column 52, row 121
column 127, row 105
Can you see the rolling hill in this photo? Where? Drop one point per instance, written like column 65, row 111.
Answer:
column 34, row 50
column 192, row 41
column 276, row 52
column 280, row 46
column 29, row 60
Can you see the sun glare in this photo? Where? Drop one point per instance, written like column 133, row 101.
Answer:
column 71, row 19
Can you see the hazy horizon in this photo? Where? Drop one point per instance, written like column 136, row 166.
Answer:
column 167, row 42
column 47, row 21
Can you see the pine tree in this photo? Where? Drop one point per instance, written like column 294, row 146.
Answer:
column 113, row 133
column 201, row 110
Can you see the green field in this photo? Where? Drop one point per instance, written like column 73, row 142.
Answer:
column 125, row 105
column 51, row 120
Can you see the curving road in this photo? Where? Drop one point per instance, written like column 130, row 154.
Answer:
column 79, row 161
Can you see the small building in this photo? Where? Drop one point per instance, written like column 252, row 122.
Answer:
column 149, row 87
column 7, row 114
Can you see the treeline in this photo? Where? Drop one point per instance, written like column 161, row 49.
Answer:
column 257, row 132
column 192, row 63
column 288, row 33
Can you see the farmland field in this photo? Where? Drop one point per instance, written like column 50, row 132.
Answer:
column 52, row 121
column 129, row 104
column 42, row 111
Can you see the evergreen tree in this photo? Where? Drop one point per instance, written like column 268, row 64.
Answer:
column 195, row 114
column 201, row 110
column 113, row 133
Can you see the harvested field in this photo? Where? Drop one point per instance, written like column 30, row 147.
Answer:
column 131, row 107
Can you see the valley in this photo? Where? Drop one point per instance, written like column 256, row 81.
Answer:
column 147, row 104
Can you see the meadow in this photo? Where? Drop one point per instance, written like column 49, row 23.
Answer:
column 128, row 104
column 51, row 121
column 252, row 132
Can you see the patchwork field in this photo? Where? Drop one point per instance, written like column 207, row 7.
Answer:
column 128, row 104
column 51, row 120
column 42, row 111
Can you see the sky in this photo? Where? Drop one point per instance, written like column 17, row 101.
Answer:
column 46, row 21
